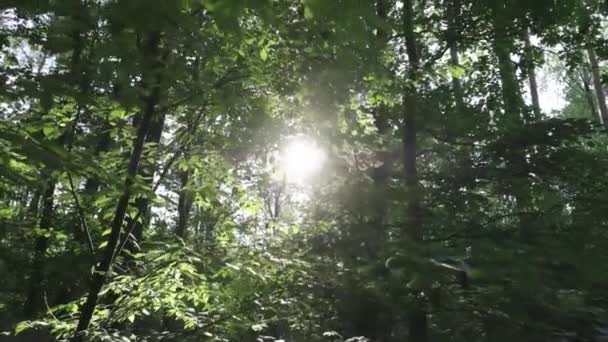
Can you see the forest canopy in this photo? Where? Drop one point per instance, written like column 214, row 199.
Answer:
column 303, row 170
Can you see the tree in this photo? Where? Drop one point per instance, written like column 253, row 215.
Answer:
column 150, row 188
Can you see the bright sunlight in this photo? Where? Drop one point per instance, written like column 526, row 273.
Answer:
column 301, row 158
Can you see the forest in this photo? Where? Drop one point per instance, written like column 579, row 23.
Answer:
column 303, row 170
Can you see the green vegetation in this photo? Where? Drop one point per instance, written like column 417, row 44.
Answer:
column 303, row 170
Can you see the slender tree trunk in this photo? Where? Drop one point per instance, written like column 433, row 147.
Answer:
column 513, row 104
column 35, row 291
column 184, row 204
column 503, row 46
column 98, row 278
column 591, row 100
column 453, row 14
column 92, row 184
column 371, row 318
column 34, row 203
column 417, row 315
column 597, row 84
column 531, row 71
column 147, row 171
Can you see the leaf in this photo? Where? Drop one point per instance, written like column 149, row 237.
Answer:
column 131, row 318
column 259, row 327
column 308, row 13
column 118, row 114
column 264, row 54
column 49, row 131
column 6, row 213
column 232, row 266
column 332, row 334
column 22, row 326
column 456, row 71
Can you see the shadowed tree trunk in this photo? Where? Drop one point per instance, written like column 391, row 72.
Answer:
column 372, row 318
column 184, row 204
column 591, row 100
column 417, row 315
column 147, row 170
column 597, row 84
column 503, row 47
column 98, row 279
column 453, row 14
column 530, row 65
column 92, row 184
column 513, row 105
column 35, row 292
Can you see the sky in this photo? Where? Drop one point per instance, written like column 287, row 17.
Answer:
column 552, row 91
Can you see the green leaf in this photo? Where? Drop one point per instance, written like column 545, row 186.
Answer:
column 22, row 326
column 6, row 213
column 259, row 327
column 232, row 266
column 456, row 71
column 50, row 131
column 264, row 54
column 308, row 13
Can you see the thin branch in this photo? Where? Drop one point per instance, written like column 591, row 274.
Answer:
column 448, row 141
column 219, row 83
column 48, row 308
column 436, row 56
column 464, row 235
column 81, row 215
column 163, row 174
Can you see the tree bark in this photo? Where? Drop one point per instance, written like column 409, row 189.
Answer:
column 33, row 302
column 453, row 13
column 417, row 315
column 184, row 205
column 92, row 184
column 503, row 46
column 531, row 72
column 597, row 84
column 513, row 104
column 35, row 291
column 147, row 171
column 591, row 100
column 101, row 272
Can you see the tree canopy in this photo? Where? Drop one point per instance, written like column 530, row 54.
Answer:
column 303, row 170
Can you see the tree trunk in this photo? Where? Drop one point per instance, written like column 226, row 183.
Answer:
column 518, row 186
column 92, row 183
column 597, row 84
column 453, row 14
column 35, row 293
column 147, row 171
column 591, row 100
column 370, row 317
column 36, row 289
column 417, row 316
column 531, row 71
column 503, row 46
column 101, row 272
column 184, row 205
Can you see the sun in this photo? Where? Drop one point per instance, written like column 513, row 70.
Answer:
column 301, row 158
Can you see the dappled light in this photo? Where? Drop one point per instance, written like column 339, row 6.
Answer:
column 303, row 170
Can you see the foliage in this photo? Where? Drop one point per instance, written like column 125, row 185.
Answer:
column 142, row 195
